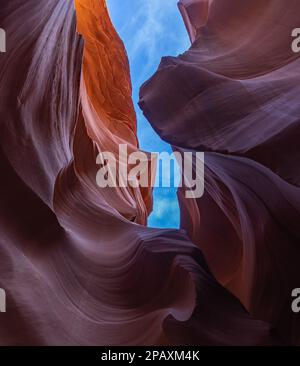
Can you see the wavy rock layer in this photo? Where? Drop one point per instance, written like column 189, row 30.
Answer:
column 235, row 95
column 77, row 263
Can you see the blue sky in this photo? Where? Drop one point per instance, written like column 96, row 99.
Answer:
column 150, row 30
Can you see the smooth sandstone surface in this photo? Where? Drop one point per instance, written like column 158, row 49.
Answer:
column 235, row 95
column 78, row 263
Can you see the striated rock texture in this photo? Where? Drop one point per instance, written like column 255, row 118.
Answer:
column 235, row 95
column 77, row 262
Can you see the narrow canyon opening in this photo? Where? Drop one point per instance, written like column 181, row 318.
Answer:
column 150, row 31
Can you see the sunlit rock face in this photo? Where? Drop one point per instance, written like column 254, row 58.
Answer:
column 107, row 83
column 235, row 95
column 107, row 107
column 77, row 262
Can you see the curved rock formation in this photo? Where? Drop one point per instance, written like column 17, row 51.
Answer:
column 234, row 95
column 77, row 262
